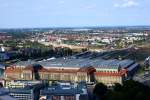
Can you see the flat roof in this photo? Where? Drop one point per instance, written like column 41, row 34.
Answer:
column 25, row 63
column 20, row 90
column 59, row 89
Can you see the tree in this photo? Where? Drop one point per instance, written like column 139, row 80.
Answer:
column 36, row 68
column 130, row 90
column 117, row 87
column 1, row 85
column 100, row 90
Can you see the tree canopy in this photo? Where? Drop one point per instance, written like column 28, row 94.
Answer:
column 129, row 90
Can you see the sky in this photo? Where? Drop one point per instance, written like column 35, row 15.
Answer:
column 73, row 13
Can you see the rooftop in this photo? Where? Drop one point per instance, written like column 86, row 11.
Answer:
column 85, row 59
column 65, row 89
column 80, row 63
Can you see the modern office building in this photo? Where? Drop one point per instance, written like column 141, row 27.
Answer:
column 26, row 90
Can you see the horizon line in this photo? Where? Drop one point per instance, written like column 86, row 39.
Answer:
column 92, row 26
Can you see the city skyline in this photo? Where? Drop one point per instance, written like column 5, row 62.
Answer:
column 78, row 13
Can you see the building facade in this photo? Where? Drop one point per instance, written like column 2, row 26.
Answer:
column 21, row 94
column 105, row 71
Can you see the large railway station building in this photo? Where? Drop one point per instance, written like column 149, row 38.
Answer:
column 74, row 70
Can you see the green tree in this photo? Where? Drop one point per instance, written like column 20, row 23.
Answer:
column 130, row 90
column 100, row 90
column 117, row 87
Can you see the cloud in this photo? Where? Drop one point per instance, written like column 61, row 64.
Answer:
column 127, row 4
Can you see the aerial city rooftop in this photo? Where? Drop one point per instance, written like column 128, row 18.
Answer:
column 68, row 64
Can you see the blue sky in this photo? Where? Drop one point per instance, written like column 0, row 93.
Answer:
column 72, row 13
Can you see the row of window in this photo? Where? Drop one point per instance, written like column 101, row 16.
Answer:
column 107, row 71
column 22, row 96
